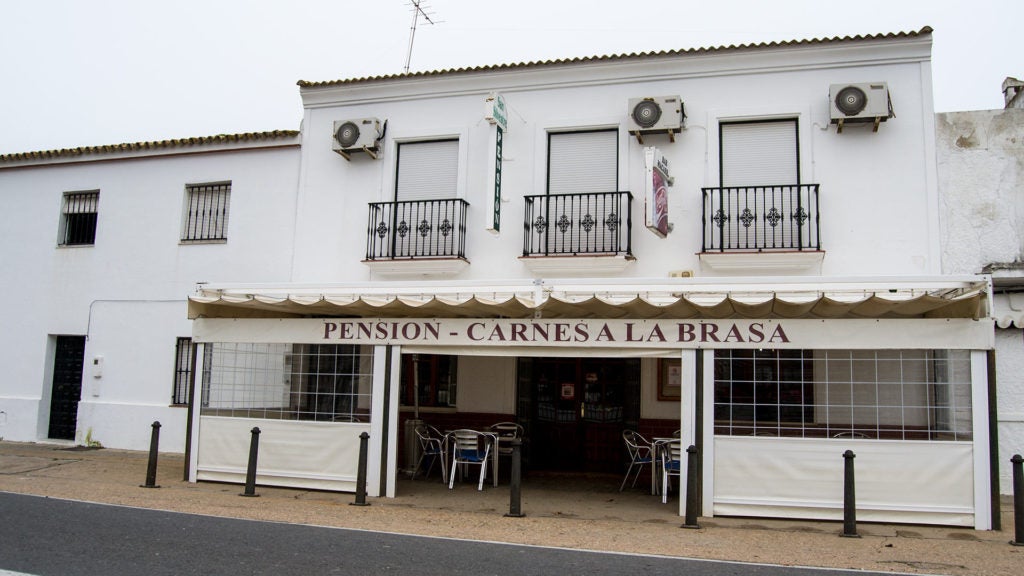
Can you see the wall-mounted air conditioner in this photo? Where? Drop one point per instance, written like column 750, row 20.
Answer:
column 655, row 115
column 864, row 102
column 358, row 135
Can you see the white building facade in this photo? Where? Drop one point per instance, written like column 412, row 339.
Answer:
column 741, row 244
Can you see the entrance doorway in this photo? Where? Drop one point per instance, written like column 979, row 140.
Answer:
column 575, row 409
column 67, row 387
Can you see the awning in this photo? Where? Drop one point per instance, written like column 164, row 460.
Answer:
column 682, row 298
column 1008, row 309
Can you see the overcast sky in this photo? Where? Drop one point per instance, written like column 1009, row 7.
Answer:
column 84, row 73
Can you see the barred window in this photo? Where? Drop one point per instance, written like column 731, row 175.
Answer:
column 881, row 394
column 320, row 382
column 206, row 212
column 184, row 358
column 78, row 218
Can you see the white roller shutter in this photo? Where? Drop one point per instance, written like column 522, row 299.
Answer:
column 428, row 170
column 759, row 153
column 581, row 162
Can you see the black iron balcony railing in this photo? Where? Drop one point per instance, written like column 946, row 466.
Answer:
column 575, row 224
column 416, row 229
column 761, row 218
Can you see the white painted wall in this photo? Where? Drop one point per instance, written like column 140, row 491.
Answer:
column 981, row 179
column 981, row 170
column 127, row 292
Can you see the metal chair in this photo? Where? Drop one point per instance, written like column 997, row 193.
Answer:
column 640, row 455
column 469, row 447
column 506, row 432
column 433, row 446
column 670, row 453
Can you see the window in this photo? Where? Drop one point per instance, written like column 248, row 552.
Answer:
column 427, row 170
column 79, row 215
column 583, row 162
column 583, row 212
column 319, row 382
column 184, row 358
column 883, row 394
column 761, row 204
column 206, row 212
column 429, row 380
column 426, row 219
column 761, row 153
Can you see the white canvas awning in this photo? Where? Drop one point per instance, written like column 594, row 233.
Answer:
column 683, row 298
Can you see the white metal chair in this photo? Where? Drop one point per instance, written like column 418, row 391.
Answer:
column 640, row 455
column 469, row 447
column 506, row 432
column 433, row 446
column 670, row 452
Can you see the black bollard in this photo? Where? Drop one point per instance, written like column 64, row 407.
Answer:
column 364, row 441
column 154, row 443
column 250, row 474
column 1018, row 500
column 849, row 498
column 691, row 488
column 515, row 489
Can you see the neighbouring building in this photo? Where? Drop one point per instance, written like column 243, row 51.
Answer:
column 741, row 244
column 981, row 181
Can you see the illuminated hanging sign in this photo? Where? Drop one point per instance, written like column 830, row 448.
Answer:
column 656, row 183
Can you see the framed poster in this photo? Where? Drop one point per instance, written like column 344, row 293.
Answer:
column 670, row 378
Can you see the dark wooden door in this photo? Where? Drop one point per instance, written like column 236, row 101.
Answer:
column 577, row 410
column 67, row 386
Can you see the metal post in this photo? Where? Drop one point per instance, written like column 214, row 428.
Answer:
column 849, row 498
column 364, row 442
column 1018, row 500
column 154, row 443
column 515, row 492
column 691, row 488
column 250, row 474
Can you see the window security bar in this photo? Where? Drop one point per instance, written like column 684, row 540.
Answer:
column 576, row 224
column 761, row 218
column 416, row 229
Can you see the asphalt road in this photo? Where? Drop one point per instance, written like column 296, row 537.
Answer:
column 46, row 536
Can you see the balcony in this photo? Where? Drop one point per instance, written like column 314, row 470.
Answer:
column 778, row 224
column 569, row 233
column 417, row 237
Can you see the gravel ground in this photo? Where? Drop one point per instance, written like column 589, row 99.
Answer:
column 585, row 512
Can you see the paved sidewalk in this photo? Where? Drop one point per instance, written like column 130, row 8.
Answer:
column 588, row 513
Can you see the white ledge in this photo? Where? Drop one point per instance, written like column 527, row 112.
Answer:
column 576, row 265
column 766, row 261
column 417, row 267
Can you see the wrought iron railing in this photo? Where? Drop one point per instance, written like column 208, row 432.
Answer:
column 761, row 218
column 574, row 224
column 416, row 229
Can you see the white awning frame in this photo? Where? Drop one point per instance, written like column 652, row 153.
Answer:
column 660, row 298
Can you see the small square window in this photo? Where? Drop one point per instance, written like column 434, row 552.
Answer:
column 78, row 218
column 206, row 212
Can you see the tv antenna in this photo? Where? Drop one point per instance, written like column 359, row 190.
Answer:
column 419, row 8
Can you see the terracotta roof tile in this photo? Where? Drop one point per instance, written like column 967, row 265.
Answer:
column 153, row 145
column 927, row 30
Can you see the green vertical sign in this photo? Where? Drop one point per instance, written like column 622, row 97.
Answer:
column 497, row 179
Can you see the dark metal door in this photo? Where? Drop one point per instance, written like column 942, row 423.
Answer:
column 67, row 386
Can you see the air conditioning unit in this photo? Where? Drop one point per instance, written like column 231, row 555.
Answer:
column 656, row 115
column 865, row 102
column 358, row 135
